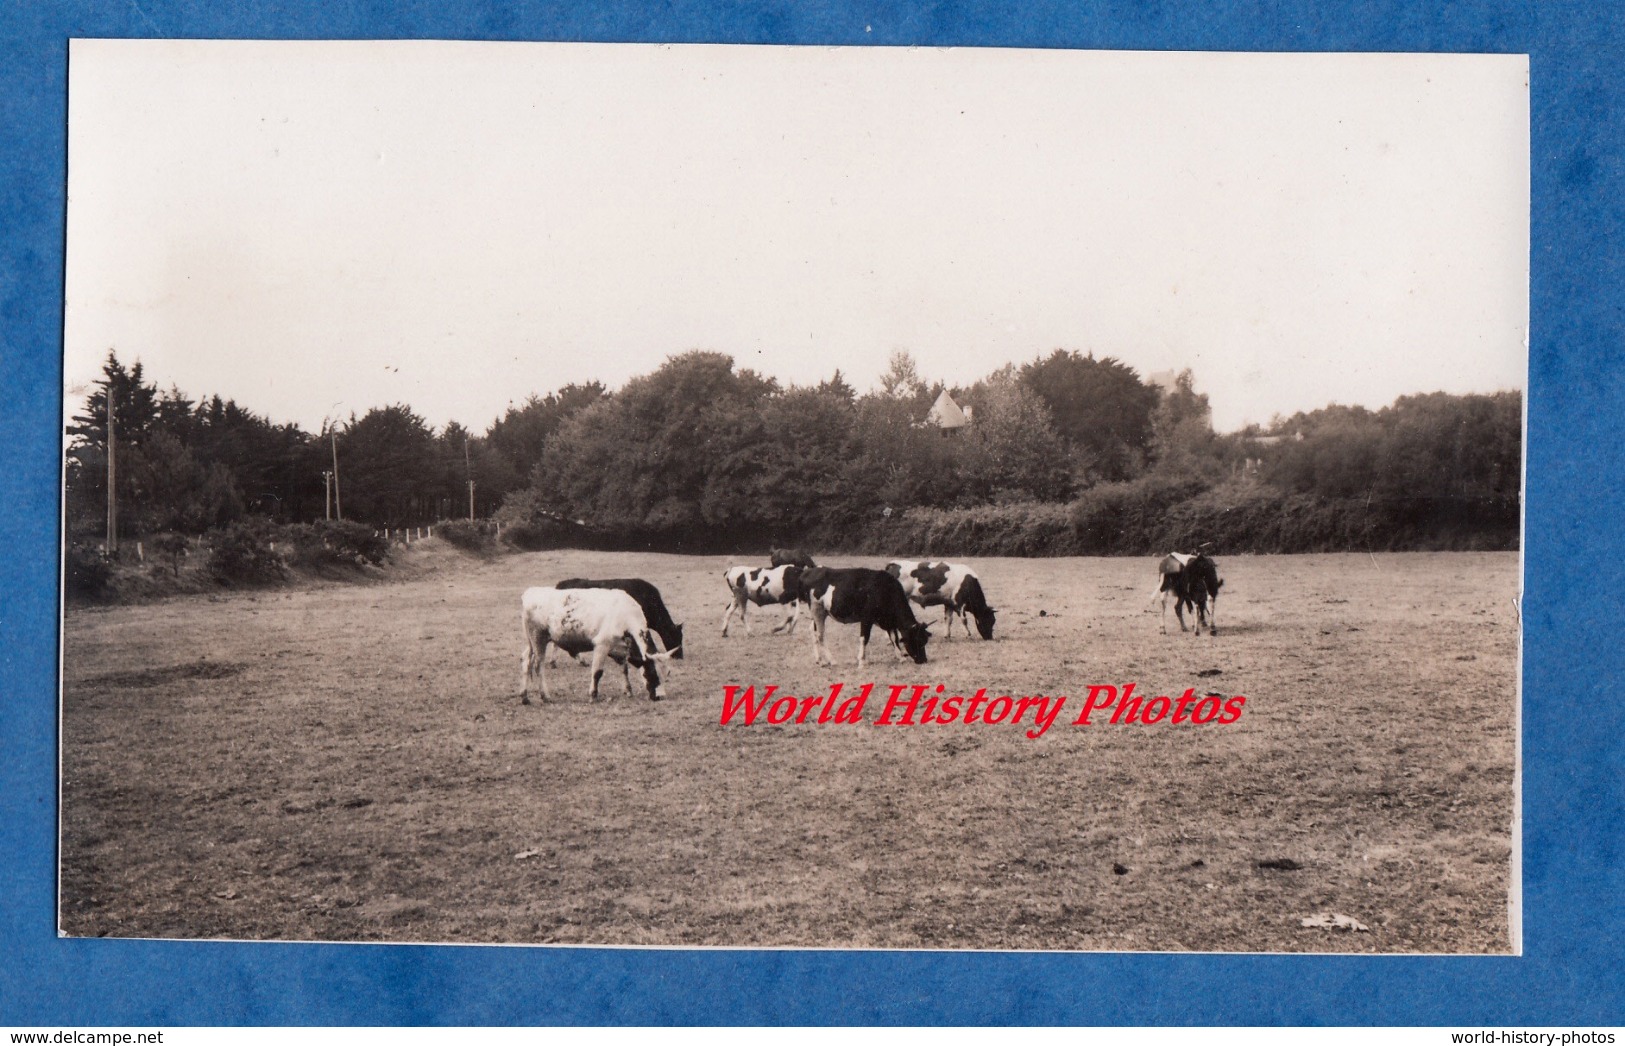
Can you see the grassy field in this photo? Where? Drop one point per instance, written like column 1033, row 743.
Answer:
column 351, row 762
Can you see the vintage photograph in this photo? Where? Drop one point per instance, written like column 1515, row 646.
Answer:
column 793, row 497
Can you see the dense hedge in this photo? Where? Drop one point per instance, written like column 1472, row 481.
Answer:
column 1154, row 515
column 1143, row 517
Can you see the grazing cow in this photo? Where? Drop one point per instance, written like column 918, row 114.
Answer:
column 764, row 586
column 1193, row 580
column 791, row 557
column 858, row 595
column 952, row 586
column 604, row 620
column 653, row 607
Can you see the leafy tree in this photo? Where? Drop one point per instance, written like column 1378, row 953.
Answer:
column 1012, row 452
column 674, row 451
column 1098, row 406
column 171, row 490
column 1182, row 437
column 276, row 468
column 518, row 439
column 902, row 378
column 135, row 410
column 384, row 468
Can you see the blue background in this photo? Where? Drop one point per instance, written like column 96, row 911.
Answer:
column 1574, row 868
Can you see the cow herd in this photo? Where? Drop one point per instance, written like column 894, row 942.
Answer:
column 625, row 620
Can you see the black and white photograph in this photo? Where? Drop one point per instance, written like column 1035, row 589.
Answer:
column 691, row 496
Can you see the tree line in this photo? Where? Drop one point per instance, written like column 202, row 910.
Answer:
column 1068, row 453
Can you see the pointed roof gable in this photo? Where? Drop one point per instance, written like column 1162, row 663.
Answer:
column 945, row 413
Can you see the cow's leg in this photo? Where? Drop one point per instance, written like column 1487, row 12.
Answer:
column 863, row 640
column 788, row 625
column 599, row 653
column 1165, row 611
column 1179, row 611
column 819, row 617
column 524, row 661
column 531, row 663
column 626, row 675
column 948, row 619
column 1213, row 615
column 541, row 669
column 727, row 615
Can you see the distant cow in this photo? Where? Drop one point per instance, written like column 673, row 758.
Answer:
column 791, row 557
column 952, row 586
column 858, row 595
column 606, row 621
column 764, row 586
column 1192, row 579
column 653, row 607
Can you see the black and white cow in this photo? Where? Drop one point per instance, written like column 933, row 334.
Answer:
column 606, row 621
column 764, row 586
column 1192, row 579
column 653, row 607
column 952, row 586
column 791, row 557
column 858, row 595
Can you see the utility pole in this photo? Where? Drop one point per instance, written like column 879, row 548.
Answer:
column 338, row 501
column 112, row 477
column 327, row 488
column 469, row 467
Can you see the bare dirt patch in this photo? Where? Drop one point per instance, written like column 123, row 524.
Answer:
column 353, row 763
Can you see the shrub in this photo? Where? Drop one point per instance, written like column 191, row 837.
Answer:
column 172, row 547
column 351, row 541
column 241, row 552
column 538, row 534
column 466, row 534
column 87, row 574
column 334, row 542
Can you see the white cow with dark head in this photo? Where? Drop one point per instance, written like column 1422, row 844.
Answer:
column 604, row 620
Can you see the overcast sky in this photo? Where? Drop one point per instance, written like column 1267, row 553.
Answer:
column 315, row 229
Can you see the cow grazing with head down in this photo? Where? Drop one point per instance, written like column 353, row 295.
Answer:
column 764, row 586
column 1192, row 579
column 952, row 586
column 858, row 595
column 649, row 601
column 791, row 557
column 606, row 621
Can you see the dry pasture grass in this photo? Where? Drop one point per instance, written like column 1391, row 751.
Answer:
column 351, row 762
